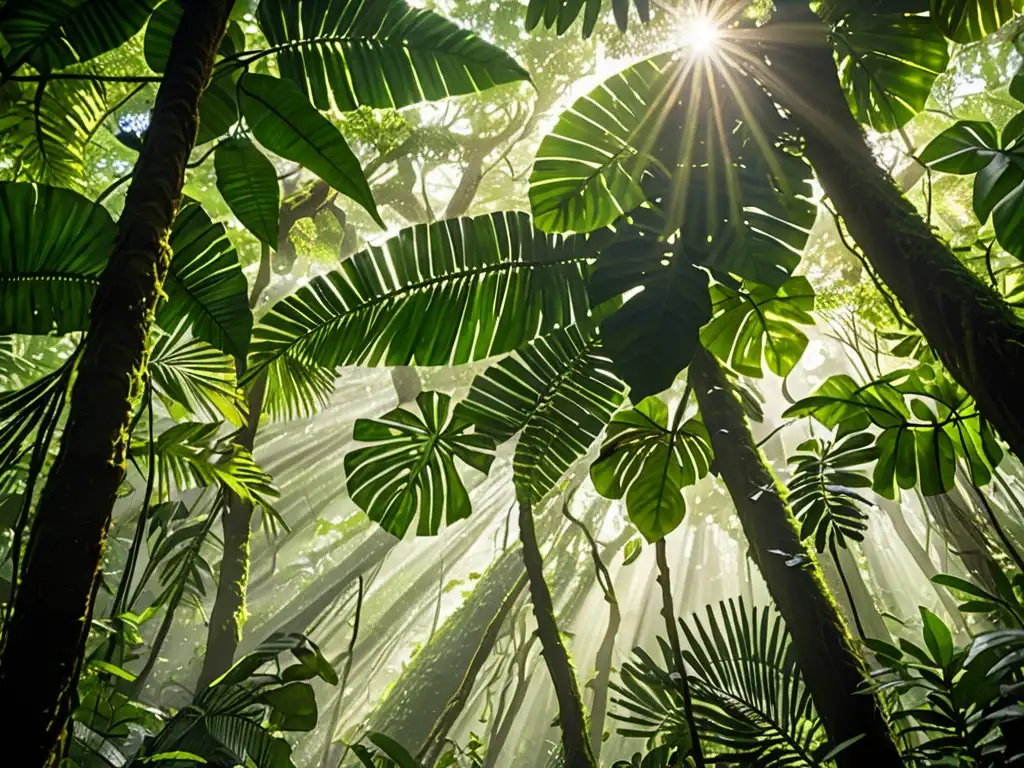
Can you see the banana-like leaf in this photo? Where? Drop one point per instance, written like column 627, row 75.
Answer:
column 205, row 286
column 888, row 63
column 378, row 53
column 822, row 490
column 44, row 130
column 56, row 246
column 967, row 21
column 247, row 181
column 925, row 422
column 283, row 121
column 437, row 294
column 51, row 34
column 650, row 463
column 409, row 471
column 558, row 392
column 562, row 13
column 760, row 322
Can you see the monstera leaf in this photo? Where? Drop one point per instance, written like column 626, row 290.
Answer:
column 966, row 21
column 974, row 147
column 558, row 392
column 650, row 463
column 445, row 293
column 56, row 244
column 379, row 53
column 562, row 13
column 888, row 61
column 59, row 33
column 760, row 322
column 409, row 471
column 925, row 422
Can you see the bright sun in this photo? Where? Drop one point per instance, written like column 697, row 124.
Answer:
column 699, row 34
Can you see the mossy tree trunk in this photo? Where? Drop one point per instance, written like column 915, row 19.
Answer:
column 974, row 332
column 54, row 604
column 833, row 671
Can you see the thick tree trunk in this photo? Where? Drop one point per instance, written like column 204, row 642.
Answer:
column 972, row 330
column 572, row 718
column 833, row 671
column 55, row 601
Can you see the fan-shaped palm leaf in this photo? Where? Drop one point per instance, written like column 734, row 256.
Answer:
column 410, row 470
column 56, row 245
column 966, row 21
column 650, row 463
column 193, row 378
column 381, row 54
column 558, row 392
column 437, row 294
column 562, row 13
column 822, row 493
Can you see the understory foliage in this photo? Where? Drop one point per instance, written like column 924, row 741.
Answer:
column 539, row 327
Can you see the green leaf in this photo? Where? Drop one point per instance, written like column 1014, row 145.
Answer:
column 394, row 750
column 409, row 471
column 247, row 180
column 56, row 245
column 888, row 63
column 205, row 286
column 650, row 464
column 294, row 705
column 160, row 32
column 937, row 637
column 174, row 755
column 445, row 293
column 634, row 547
column 58, row 33
column 966, row 21
column 383, row 54
column 760, row 322
column 561, row 14
column 282, row 120
column 965, row 148
column 559, row 393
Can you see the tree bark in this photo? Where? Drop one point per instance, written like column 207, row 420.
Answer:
column 54, row 605
column 973, row 331
column 572, row 718
column 833, row 671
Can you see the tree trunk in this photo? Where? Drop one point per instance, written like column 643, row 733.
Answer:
column 54, row 605
column 833, row 671
column 972, row 330
column 572, row 718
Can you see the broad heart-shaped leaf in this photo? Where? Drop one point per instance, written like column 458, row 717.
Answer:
column 205, row 286
column 888, row 63
column 562, row 13
column 650, row 464
column 247, row 181
column 379, row 53
column 653, row 336
column 559, row 392
column 926, row 423
column 759, row 322
column 51, row 34
column 55, row 246
column 436, row 294
column 283, row 121
column 822, row 490
column 966, row 21
column 409, row 471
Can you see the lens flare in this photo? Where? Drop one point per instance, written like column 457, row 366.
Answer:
column 699, row 34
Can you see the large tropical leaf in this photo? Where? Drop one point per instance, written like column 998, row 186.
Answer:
column 558, row 392
column 974, row 147
column 381, row 54
column 283, row 120
column 823, row 491
column 410, row 472
column 56, row 244
column 650, row 463
column 888, row 63
column 51, row 34
column 760, row 322
column 966, row 21
column 437, row 294
column 205, row 285
column 247, row 181
column 164, row 23
column 924, row 423
column 562, row 13
column 44, row 130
